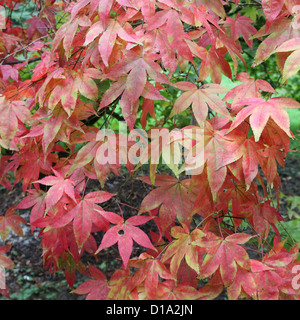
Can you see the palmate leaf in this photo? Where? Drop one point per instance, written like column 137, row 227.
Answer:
column 130, row 76
column 109, row 38
column 50, row 140
column 243, row 282
column 11, row 221
column 225, row 255
column 273, row 275
column 248, row 89
column 291, row 63
column 59, row 186
column 200, row 99
column 85, row 214
column 172, row 197
column 241, row 26
column 95, row 289
column 150, row 270
column 183, row 247
column 4, row 260
column 271, row 9
column 168, row 290
column 259, row 111
column 123, row 233
column 36, row 200
column 10, row 113
column 279, row 32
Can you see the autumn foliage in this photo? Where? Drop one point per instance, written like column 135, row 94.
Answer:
column 87, row 59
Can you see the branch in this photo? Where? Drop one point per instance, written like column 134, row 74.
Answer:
column 17, row 62
column 23, row 48
column 255, row 3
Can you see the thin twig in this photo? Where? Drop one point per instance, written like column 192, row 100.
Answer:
column 23, row 48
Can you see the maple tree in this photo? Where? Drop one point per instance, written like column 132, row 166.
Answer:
column 82, row 64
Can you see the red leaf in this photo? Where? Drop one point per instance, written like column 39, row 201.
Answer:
column 241, row 26
column 4, row 260
column 96, row 289
column 149, row 271
column 123, row 233
column 167, row 290
column 173, row 198
column 201, row 99
column 259, row 111
column 11, row 221
column 85, row 214
column 225, row 255
column 59, row 186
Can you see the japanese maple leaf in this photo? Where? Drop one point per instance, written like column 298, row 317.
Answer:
column 183, row 247
column 11, row 221
column 200, row 99
column 243, row 282
column 233, row 49
column 272, row 9
column 169, row 20
column 123, row 233
column 64, row 36
column 66, row 89
column 158, row 40
column 213, row 149
column 270, row 156
column 70, row 265
column 205, row 19
column 58, row 127
column 167, row 290
column 109, row 37
column 31, row 162
column 213, row 288
column 204, row 203
column 273, row 274
column 247, row 150
column 215, row 6
column 224, row 254
column 148, row 107
column 241, row 26
column 150, row 270
column 96, row 289
column 10, row 114
column 59, row 187
column 85, row 214
column 4, row 260
column 261, row 216
column 9, row 72
column 240, row 199
column 291, row 64
column 52, row 128
column 119, row 285
column 133, row 85
column 111, row 154
column 173, row 198
column 248, row 89
column 106, row 150
column 259, row 111
column 212, row 58
column 36, row 200
column 279, row 32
